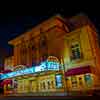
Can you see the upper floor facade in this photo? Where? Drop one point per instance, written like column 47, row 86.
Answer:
column 77, row 45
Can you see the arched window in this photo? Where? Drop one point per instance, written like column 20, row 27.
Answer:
column 44, row 87
column 52, row 84
column 48, row 82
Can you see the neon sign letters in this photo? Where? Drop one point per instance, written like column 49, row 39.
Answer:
column 18, row 73
column 44, row 66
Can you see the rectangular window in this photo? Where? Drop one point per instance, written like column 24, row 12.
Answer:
column 75, row 51
column 44, row 86
column 74, row 81
column 41, row 86
column 88, row 80
column 80, row 81
column 52, row 84
column 48, row 82
column 59, row 81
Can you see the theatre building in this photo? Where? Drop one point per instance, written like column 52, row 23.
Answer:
column 30, row 50
column 71, row 43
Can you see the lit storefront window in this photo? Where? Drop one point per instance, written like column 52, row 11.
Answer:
column 88, row 80
column 74, row 81
column 15, row 84
column 48, row 84
column 8, row 87
column 44, row 86
column 52, row 84
column 80, row 81
column 59, row 81
column 41, row 87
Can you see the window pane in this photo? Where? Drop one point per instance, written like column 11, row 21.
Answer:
column 44, row 85
column 88, row 80
column 74, row 81
column 48, row 84
column 75, row 51
column 80, row 81
column 59, row 81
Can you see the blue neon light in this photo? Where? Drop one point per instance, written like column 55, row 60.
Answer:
column 18, row 73
column 58, row 80
column 53, row 66
column 44, row 66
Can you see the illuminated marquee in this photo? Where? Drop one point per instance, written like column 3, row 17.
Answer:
column 18, row 73
column 52, row 63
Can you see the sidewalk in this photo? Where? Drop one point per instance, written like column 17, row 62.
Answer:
column 38, row 94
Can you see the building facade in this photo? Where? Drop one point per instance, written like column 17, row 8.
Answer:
column 9, row 63
column 82, row 68
column 34, row 47
column 73, row 42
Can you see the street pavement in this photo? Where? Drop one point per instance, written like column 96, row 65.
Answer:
column 49, row 97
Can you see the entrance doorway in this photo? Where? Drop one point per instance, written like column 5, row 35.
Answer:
column 33, row 86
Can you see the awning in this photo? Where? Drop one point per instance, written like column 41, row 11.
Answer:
column 7, row 81
column 79, row 70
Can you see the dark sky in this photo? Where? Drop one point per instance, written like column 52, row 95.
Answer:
column 14, row 25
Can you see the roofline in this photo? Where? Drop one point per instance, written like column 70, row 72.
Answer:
column 35, row 28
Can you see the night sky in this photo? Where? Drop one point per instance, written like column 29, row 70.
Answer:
column 14, row 25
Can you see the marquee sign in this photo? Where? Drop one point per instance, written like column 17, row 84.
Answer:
column 53, row 58
column 52, row 63
column 18, row 73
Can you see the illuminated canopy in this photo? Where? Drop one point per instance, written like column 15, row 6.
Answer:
column 44, row 66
